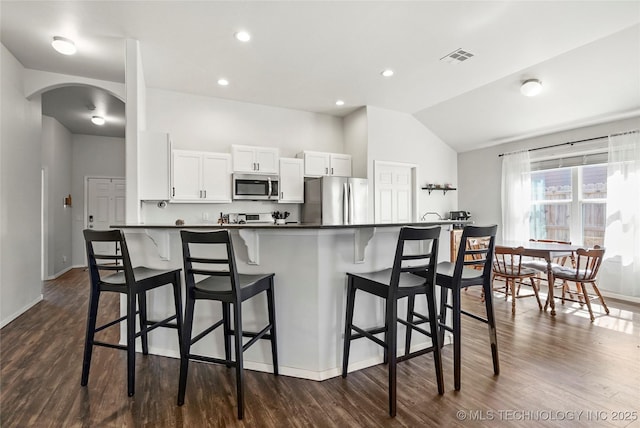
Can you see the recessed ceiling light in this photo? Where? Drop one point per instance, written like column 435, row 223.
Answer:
column 223, row 82
column 339, row 103
column 387, row 73
column 531, row 87
column 243, row 36
column 98, row 120
column 63, row 45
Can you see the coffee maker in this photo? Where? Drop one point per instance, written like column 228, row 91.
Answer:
column 459, row 215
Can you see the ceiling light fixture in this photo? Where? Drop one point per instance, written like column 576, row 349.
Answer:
column 98, row 120
column 387, row 73
column 339, row 103
column 243, row 36
column 531, row 87
column 223, row 82
column 63, row 45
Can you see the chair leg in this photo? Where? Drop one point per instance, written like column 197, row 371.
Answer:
column 351, row 296
column 444, row 297
column 456, row 336
column 588, row 302
column 433, row 324
column 493, row 336
column 177, row 299
column 410, row 306
column 237, row 336
column 226, row 319
column 142, row 313
column 392, row 351
column 513, row 294
column 131, row 342
column 92, row 316
column 595, row 288
column 535, row 291
column 385, row 352
column 272, row 322
column 186, row 348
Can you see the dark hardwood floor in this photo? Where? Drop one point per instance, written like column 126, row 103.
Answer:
column 554, row 372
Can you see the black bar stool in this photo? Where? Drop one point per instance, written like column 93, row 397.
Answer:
column 456, row 276
column 134, row 283
column 394, row 284
column 230, row 288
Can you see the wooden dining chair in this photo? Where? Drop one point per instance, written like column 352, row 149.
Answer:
column 507, row 265
column 585, row 271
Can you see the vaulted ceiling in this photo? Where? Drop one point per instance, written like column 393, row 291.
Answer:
column 307, row 54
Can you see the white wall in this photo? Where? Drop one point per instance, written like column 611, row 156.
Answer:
column 91, row 156
column 213, row 124
column 356, row 141
column 56, row 159
column 480, row 171
column 20, row 146
column 400, row 137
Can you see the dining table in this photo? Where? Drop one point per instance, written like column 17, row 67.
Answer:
column 547, row 251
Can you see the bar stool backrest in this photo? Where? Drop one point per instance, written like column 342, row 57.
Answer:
column 100, row 259
column 423, row 260
column 195, row 265
column 474, row 255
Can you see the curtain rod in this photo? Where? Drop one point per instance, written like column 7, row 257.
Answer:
column 569, row 143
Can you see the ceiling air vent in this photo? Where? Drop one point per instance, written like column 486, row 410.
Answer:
column 457, row 56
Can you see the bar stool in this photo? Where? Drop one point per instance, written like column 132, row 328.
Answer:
column 230, row 288
column 133, row 282
column 392, row 285
column 455, row 277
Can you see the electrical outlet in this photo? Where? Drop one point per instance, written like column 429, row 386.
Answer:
column 64, row 259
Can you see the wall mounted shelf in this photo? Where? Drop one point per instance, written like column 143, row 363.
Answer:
column 431, row 187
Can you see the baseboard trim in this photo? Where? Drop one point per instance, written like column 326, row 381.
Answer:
column 21, row 311
column 59, row 274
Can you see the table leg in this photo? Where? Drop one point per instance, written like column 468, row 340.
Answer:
column 550, row 280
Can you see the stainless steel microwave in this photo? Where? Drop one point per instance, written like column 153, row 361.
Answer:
column 255, row 187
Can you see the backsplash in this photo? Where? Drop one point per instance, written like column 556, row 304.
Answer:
column 150, row 213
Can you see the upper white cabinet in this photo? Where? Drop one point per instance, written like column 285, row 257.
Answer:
column 320, row 163
column 291, row 181
column 255, row 160
column 154, row 165
column 200, row 177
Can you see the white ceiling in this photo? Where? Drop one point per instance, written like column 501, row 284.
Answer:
column 307, row 54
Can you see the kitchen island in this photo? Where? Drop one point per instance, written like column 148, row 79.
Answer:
column 310, row 262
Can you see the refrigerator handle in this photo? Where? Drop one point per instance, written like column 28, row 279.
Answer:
column 345, row 204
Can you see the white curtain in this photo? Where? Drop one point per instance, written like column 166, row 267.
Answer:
column 516, row 194
column 620, row 270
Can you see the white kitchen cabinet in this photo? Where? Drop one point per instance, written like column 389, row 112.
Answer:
column 291, row 181
column 255, row 160
column 201, row 177
column 317, row 164
column 154, row 166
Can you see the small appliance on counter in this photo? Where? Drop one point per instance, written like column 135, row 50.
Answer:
column 244, row 218
column 459, row 215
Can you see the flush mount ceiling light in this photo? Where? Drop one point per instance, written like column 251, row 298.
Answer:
column 387, row 73
column 223, row 82
column 243, row 36
column 339, row 103
column 63, row 45
column 531, row 87
column 98, row 120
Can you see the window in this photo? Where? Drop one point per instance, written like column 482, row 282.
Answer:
column 568, row 204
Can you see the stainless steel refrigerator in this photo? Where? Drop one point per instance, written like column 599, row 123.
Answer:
column 336, row 200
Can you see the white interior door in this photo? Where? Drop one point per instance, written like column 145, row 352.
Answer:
column 394, row 190
column 105, row 203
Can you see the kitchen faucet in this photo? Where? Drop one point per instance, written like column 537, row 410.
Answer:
column 430, row 212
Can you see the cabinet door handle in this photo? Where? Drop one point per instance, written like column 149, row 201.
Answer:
column 258, row 166
column 332, row 171
column 205, row 194
column 173, row 191
column 326, row 170
column 281, row 195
